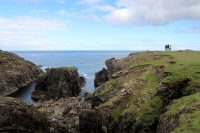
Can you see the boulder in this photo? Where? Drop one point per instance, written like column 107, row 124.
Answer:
column 101, row 77
column 16, row 116
column 15, row 73
column 57, row 83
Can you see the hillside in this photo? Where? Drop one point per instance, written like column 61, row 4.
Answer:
column 152, row 92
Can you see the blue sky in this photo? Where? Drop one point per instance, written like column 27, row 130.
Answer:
column 99, row 24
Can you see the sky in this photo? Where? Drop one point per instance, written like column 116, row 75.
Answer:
column 99, row 24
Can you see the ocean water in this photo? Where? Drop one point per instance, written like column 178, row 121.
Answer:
column 87, row 62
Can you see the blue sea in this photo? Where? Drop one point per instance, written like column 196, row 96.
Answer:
column 87, row 62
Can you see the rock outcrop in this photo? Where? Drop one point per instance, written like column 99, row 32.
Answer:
column 15, row 73
column 16, row 116
column 101, row 77
column 64, row 112
column 57, row 83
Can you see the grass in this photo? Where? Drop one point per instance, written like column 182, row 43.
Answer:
column 187, row 65
column 188, row 110
column 142, row 101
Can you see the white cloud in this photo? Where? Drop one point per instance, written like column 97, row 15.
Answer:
column 28, row 31
column 154, row 12
column 90, row 1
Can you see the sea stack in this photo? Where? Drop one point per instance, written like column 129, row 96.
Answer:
column 57, row 83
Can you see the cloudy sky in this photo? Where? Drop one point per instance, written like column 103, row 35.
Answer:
column 99, row 24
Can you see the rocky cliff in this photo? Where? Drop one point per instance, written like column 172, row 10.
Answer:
column 151, row 92
column 145, row 92
column 16, row 116
column 57, row 83
column 15, row 73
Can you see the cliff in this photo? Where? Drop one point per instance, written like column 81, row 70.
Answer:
column 151, row 92
column 15, row 73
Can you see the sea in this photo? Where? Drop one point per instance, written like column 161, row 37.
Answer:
column 87, row 62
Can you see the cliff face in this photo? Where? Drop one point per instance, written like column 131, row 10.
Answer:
column 145, row 90
column 15, row 73
column 57, row 83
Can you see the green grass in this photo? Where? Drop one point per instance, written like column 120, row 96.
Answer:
column 188, row 111
column 187, row 65
column 146, row 111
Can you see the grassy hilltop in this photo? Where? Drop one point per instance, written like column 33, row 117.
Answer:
column 155, row 89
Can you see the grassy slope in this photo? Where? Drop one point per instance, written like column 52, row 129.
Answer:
column 140, row 97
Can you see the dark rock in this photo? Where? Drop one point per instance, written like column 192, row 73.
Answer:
column 94, row 100
column 16, row 116
column 170, row 92
column 90, row 122
column 101, row 77
column 112, row 66
column 15, row 73
column 57, row 83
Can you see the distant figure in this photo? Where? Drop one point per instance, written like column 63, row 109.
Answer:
column 170, row 47
column 165, row 47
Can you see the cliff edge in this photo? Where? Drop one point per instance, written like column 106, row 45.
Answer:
column 151, row 92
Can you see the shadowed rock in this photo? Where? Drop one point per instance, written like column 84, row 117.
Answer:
column 16, row 116
column 101, row 77
column 90, row 122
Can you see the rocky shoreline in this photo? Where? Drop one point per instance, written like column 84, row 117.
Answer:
column 145, row 92
column 15, row 73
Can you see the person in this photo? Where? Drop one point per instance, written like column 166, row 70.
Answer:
column 170, row 47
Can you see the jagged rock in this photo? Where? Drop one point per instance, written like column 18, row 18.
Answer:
column 90, row 121
column 64, row 112
column 57, row 83
column 15, row 73
column 94, row 100
column 16, row 116
column 101, row 77
column 112, row 66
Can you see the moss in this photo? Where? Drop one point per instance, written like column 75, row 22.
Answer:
column 150, row 112
column 108, row 86
column 141, row 102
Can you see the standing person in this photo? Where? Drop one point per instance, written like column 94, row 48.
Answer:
column 170, row 47
column 165, row 47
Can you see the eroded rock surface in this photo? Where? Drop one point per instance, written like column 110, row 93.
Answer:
column 16, row 116
column 64, row 113
column 15, row 73
column 57, row 83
